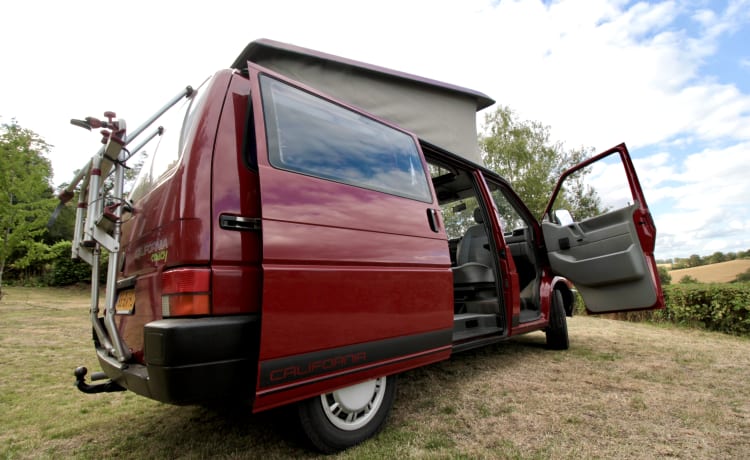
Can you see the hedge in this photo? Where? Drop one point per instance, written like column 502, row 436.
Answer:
column 714, row 307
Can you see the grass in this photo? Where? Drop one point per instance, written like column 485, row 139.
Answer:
column 623, row 390
column 724, row 272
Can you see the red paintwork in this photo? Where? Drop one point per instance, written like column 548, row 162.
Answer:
column 236, row 256
column 176, row 215
column 268, row 399
column 511, row 289
column 392, row 279
column 334, row 265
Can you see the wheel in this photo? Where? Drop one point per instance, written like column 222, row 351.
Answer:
column 557, row 330
column 346, row 417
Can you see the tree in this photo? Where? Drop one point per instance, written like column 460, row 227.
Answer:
column 679, row 263
column 717, row 257
column 522, row 152
column 25, row 198
column 61, row 229
column 695, row 261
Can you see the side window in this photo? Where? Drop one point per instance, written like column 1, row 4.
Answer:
column 510, row 218
column 457, row 198
column 459, row 216
column 309, row 135
column 159, row 157
column 594, row 190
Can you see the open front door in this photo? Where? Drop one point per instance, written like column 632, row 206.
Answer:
column 608, row 255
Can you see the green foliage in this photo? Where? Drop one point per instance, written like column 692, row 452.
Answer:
column 459, row 217
column 43, row 265
column 715, row 307
column 744, row 276
column 30, row 266
column 687, row 279
column 522, row 152
column 25, row 192
column 62, row 228
column 717, row 257
column 664, row 276
column 696, row 261
column 66, row 271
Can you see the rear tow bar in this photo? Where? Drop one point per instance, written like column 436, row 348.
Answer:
column 106, row 387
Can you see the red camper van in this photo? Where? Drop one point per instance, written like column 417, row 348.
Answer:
column 305, row 227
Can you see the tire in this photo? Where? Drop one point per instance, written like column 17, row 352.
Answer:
column 557, row 330
column 346, row 417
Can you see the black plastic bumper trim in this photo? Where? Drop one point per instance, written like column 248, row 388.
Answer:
column 191, row 360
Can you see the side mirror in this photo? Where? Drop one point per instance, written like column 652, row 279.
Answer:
column 563, row 217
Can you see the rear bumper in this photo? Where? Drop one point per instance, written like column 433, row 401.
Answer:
column 191, row 360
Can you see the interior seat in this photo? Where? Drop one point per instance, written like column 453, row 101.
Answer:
column 473, row 255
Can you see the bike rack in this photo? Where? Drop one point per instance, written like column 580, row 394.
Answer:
column 98, row 227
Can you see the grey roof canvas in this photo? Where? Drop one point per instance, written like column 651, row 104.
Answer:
column 437, row 112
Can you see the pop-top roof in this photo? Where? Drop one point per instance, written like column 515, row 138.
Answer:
column 440, row 113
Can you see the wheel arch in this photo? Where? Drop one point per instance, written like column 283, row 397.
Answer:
column 568, row 292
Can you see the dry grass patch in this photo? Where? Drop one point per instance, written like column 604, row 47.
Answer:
column 724, row 272
column 623, row 390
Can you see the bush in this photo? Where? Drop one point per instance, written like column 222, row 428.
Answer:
column 664, row 276
column 715, row 307
column 66, row 271
column 687, row 279
column 744, row 276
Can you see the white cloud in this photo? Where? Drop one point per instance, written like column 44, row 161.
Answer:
column 700, row 205
column 612, row 73
column 704, row 207
column 598, row 72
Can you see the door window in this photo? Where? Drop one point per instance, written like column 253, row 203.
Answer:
column 510, row 219
column 603, row 240
column 310, row 135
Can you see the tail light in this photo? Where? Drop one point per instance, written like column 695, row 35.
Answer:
column 186, row 292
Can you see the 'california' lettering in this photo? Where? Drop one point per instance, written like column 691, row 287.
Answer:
column 317, row 367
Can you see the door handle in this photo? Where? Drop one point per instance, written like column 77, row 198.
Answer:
column 577, row 231
column 432, row 218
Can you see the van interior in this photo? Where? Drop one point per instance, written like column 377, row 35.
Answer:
column 479, row 306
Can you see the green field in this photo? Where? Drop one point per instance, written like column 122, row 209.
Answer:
column 623, row 390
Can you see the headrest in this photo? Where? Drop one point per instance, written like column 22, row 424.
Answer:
column 478, row 217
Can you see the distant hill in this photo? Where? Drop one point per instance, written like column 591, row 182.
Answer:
column 723, row 272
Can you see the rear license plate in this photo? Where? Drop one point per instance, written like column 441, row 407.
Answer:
column 125, row 304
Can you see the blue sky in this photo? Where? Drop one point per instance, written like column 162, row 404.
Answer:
column 671, row 79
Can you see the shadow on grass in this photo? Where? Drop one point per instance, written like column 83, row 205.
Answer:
column 160, row 430
column 165, row 431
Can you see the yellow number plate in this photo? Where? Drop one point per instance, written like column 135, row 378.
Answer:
column 125, row 302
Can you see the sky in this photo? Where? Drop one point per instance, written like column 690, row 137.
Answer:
column 671, row 79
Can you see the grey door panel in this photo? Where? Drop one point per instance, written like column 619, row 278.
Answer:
column 603, row 257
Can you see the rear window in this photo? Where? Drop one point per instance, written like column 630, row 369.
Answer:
column 310, row 135
column 159, row 157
